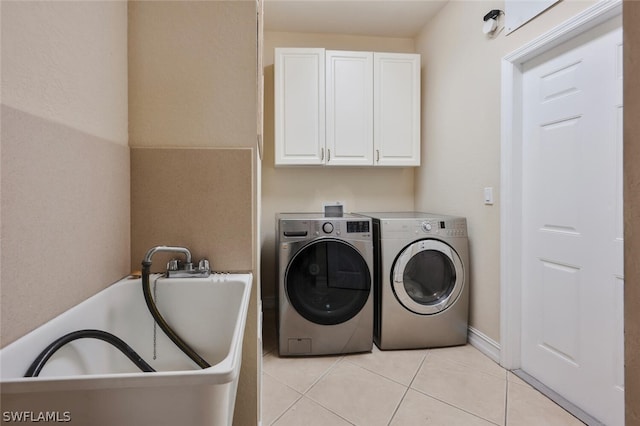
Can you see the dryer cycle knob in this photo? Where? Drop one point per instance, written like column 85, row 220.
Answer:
column 327, row 227
column 426, row 226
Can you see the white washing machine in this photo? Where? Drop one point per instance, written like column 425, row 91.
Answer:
column 421, row 280
column 325, row 284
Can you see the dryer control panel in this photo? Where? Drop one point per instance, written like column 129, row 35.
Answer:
column 447, row 228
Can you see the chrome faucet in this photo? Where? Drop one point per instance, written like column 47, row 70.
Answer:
column 153, row 309
column 176, row 268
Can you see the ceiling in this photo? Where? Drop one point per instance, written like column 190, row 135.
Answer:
column 383, row 18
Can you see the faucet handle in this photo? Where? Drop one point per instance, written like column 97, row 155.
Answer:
column 173, row 265
column 203, row 266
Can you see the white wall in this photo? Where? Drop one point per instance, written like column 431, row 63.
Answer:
column 461, row 132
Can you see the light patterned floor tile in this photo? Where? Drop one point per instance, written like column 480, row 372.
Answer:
column 400, row 366
column 528, row 407
column 308, row 413
column 354, row 392
column 419, row 409
column 300, row 373
column 358, row 395
column 471, row 357
column 464, row 387
column 512, row 378
column 276, row 398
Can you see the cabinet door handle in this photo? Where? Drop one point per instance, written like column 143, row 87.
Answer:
column 377, row 155
column 321, row 154
column 328, row 155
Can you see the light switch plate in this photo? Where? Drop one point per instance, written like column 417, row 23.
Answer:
column 488, row 196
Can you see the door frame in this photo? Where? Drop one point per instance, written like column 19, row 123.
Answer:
column 511, row 169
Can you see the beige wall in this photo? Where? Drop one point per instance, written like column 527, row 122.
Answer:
column 631, row 17
column 192, row 128
column 65, row 160
column 203, row 203
column 461, row 133
column 305, row 189
column 193, row 79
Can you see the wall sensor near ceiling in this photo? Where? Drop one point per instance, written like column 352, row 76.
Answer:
column 491, row 21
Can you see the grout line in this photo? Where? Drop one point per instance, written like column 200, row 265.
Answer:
column 322, row 376
column 478, row 369
column 395, row 411
column 506, row 401
column 290, row 405
column 344, row 359
column 330, row 410
column 424, row 359
column 456, row 407
column 281, row 382
column 355, row 364
column 286, row 410
column 313, row 401
column 339, row 360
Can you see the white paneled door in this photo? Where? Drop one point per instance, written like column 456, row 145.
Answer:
column 572, row 253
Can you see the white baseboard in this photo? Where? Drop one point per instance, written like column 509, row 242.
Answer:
column 484, row 344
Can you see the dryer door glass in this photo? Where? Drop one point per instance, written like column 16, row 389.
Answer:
column 427, row 276
column 328, row 282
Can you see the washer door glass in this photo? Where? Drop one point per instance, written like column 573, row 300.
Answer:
column 427, row 276
column 328, row 282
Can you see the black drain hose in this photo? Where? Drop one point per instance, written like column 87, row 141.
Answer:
column 39, row 362
column 43, row 357
column 184, row 347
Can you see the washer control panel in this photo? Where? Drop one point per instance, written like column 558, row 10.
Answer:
column 305, row 228
column 338, row 227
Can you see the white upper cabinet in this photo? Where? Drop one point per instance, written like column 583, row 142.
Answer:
column 299, row 106
column 396, row 99
column 361, row 109
column 349, row 108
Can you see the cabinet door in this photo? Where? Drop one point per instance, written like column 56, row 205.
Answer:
column 396, row 109
column 349, row 108
column 299, row 93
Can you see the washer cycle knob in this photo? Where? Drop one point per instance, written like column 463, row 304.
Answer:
column 426, row 226
column 327, row 227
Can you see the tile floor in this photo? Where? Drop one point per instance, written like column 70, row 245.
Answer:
column 448, row 386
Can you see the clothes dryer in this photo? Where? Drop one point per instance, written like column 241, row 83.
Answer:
column 421, row 280
column 325, row 281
